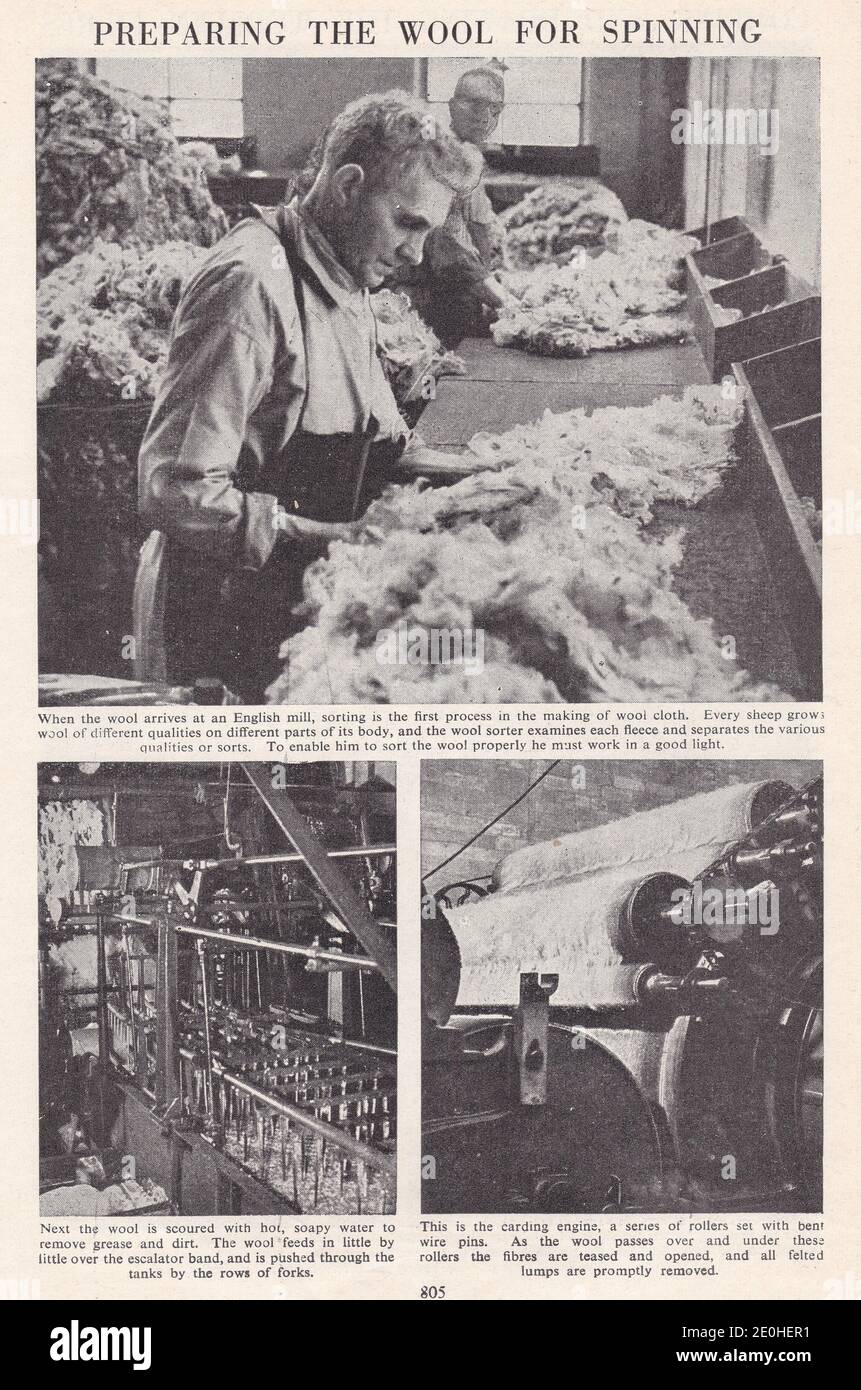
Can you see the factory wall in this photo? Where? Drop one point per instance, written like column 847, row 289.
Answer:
column 289, row 103
column 458, row 798
column 787, row 223
column 745, row 180
column 629, row 102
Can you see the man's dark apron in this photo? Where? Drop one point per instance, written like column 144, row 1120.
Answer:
column 230, row 623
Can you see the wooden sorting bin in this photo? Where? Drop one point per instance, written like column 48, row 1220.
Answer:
column 777, row 308
column 781, row 453
column 732, row 257
column 787, row 386
column 719, row 231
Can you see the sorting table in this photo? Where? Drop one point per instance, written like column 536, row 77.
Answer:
column 504, row 386
column 725, row 574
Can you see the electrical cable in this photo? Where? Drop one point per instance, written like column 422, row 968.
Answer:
column 492, row 823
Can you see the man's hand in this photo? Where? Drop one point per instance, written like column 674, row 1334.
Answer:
column 494, row 294
column 319, row 533
column 424, row 462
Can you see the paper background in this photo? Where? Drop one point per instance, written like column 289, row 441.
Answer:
column 53, row 29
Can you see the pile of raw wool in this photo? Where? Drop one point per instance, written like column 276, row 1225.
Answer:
column 550, row 554
column 103, row 327
column 109, row 166
column 103, row 321
column 628, row 295
column 63, row 826
column 413, row 357
column 554, row 219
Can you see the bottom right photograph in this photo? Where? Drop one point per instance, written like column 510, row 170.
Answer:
column 622, row 986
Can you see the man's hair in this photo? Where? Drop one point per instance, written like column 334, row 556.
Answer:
column 492, row 75
column 388, row 132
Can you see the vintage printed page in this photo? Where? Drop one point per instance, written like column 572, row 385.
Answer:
column 429, row 545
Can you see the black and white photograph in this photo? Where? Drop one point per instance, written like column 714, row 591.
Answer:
column 217, row 989
column 417, row 508
column 622, row 990
column 428, row 379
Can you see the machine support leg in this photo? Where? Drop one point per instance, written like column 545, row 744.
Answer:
column 530, row 1033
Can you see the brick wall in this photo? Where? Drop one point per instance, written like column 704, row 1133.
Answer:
column 458, row 798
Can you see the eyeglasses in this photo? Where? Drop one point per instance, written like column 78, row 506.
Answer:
column 479, row 104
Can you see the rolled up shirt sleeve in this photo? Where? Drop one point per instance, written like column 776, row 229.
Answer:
column 478, row 209
column 219, row 368
column 393, row 428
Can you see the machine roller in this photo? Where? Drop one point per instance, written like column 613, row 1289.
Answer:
column 678, row 1040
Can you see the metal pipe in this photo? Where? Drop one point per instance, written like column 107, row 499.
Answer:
column 778, row 856
column 84, row 919
column 257, row 981
column 207, row 1029
column 364, row 1153
column 167, row 996
column 364, row 1046
column 237, row 905
column 351, row 852
column 103, row 1028
column 287, row 948
column 88, row 989
column 87, row 919
column 102, row 992
column 131, row 999
column 287, row 857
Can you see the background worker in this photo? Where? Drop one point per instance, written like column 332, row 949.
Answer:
column 455, row 289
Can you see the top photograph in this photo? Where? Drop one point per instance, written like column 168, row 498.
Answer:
column 428, row 381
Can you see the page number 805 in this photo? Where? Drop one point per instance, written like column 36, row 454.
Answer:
column 432, row 1291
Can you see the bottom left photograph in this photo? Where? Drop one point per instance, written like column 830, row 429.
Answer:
column 217, row 988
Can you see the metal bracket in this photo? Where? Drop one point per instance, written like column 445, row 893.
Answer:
column 531, row 1023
